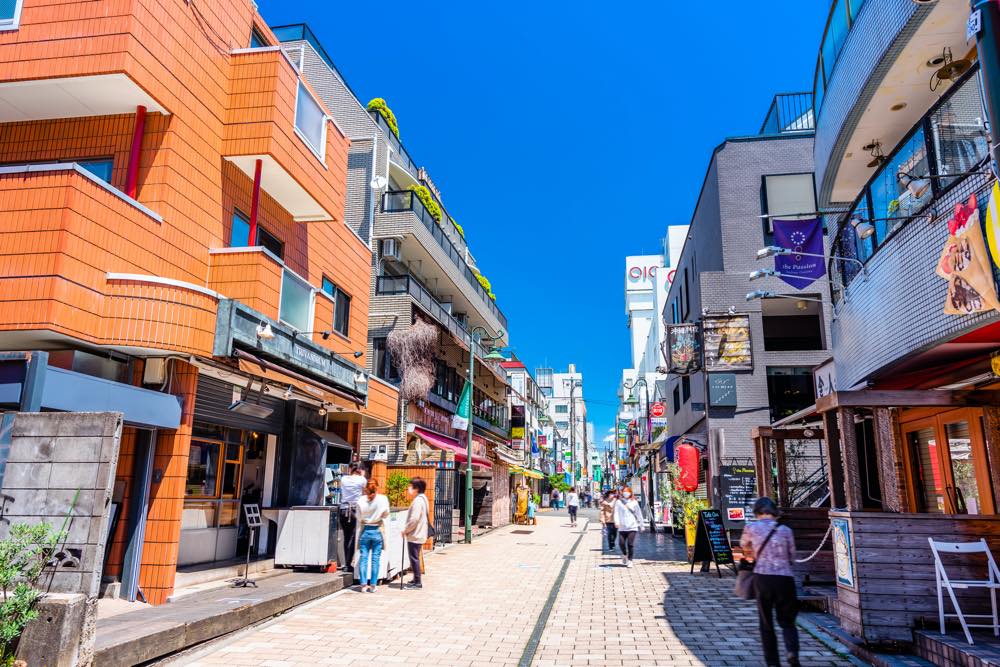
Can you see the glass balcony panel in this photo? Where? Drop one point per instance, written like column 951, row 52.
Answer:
column 902, row 188
column 836, row 34
column 296, row 301
column 310, row 119
column 958, row 133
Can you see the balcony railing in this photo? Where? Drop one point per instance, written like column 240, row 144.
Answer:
column 405, row 200
column 789, row 112
column 392, row 285
column 401, row 157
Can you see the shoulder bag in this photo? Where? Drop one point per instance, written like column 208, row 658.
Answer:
column 744, row 575
column 431, row 533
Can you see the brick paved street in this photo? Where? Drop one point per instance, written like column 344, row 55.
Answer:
column 481, row 603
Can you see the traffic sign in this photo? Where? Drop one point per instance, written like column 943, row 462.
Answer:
column 657, row 410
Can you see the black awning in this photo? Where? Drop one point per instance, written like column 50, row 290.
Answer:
column 331, row 439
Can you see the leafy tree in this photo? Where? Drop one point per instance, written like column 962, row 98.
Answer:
column 395, row 488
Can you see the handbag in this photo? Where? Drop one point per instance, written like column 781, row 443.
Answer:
column 431, row 533
column 744, row 573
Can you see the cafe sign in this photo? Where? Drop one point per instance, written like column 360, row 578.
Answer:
column 727, row 343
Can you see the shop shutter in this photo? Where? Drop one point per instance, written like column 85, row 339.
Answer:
column 215, row 396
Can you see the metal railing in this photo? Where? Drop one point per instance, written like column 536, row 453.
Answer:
column 392, row 285
column 789, row 112
column 402, row 157
column 404, row 200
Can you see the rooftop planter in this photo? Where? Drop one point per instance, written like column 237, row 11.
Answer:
column 378, row 105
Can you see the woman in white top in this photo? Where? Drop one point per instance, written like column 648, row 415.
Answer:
column 573, row 504
column 628, row 521
column 373, row 508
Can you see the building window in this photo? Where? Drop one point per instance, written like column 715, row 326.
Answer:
column 296, row 302
column 686, row 296
column 685, row 388
column 791, row 324
column 341, row 307
column 10, row 14
column 899, row 192
column 562, row 426
column 239, row 237
column 100, row 168
column 310, row 121
column 789, row 389
column 257, row 39
column 677, row 400
column 382, row 363
column 562, row 409
column 214, row 477
column 547, row 392
column 789, row 196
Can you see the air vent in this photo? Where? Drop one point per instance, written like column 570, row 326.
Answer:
column 391, row 249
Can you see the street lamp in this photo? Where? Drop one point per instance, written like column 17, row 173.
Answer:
column 764, row 294
column 632, row 388
column 774, row 251
column 493, row 355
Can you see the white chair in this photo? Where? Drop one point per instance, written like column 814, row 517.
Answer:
column 992, row 582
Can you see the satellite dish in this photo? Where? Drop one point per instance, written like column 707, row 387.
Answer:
column 379, row 182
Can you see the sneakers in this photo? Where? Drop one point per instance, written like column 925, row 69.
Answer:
column 628, row 564
column 624, row 560
column 412, row 586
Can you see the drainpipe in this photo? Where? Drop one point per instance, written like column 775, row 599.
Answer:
column 132, row 174
column 989, row 66
column 254, row 203
column 375, row 193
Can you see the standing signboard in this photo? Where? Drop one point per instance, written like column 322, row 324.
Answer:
column 711, row 542
column 738, row 486
column 727, row 343
column 843, row 557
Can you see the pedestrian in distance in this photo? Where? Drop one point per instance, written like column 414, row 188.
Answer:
column 573, row 505
column 373, row 510
column 352, row 486
column 608, row 518
column 555, row 499
column 532, row 508
column 628, row 520
column 772, row 546
column 417, row 527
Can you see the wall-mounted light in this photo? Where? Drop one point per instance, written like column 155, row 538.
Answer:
column 264, row 331
column 863, row 229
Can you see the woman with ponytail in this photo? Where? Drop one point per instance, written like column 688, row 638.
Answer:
column 373, row 509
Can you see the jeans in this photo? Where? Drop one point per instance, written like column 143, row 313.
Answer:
column 611, row 530
column 626, row 540
column 572, row 512
column 370, row 544
column 413, row 550
column 777, row 593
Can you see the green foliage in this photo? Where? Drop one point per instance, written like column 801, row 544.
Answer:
column 395, row 489
column 538, row 499
column 425, row 197
column 687, row 501
column 558, row 482
column 23, row 556
column 461, row 232
column 378, row 104
column 484, row 281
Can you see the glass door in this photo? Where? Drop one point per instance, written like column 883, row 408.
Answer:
column 926, row 488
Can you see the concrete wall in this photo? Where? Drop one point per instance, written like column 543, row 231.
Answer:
column 55, row 457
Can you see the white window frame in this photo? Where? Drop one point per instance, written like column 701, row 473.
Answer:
column 320, row 151
column 14, row 22
column 310, row 309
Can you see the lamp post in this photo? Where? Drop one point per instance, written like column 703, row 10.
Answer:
column 634, row 400
column 494, row 355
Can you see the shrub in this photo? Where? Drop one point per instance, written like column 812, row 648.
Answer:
column 395, row 489
column 461, row 232
column 424, row 195
column 378, row 105
column 23, row 557
column 484, row 281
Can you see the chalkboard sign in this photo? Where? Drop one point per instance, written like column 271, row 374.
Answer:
column 711, row 543
column 738, row 484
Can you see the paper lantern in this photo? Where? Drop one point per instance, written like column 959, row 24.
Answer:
column 687, row 461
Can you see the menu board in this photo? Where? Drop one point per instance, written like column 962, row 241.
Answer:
column 711, row 542
column 738, row 485
column 727, row 343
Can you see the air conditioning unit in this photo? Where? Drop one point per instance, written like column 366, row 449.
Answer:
column 391, row 249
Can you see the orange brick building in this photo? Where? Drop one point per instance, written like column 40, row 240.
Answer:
column 172, row 217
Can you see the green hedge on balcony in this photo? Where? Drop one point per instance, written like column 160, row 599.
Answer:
column 425, row 197
column 378, row 104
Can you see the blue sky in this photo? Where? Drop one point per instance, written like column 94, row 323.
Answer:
column 565, row 136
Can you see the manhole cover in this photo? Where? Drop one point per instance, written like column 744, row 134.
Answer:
column 522, row 532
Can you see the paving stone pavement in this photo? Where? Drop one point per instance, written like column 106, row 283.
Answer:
column 481, row 603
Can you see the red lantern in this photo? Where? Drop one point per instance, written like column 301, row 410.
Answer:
column 687, row 461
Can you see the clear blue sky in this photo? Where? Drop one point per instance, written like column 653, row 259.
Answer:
column 565, row 136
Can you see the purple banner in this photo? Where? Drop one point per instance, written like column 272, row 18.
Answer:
column 800, row 236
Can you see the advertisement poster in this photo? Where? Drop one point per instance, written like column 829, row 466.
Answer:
column 966, row 266
column 727, row 343
column 843, row 559
column 684, row 349
column 799, row 236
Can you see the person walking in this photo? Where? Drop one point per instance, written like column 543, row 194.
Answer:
column 352, row 486
column 555, row 499
column 573, row 505
column 373, row 510
column 416, row 529
column 628, row 520
column 772, row 546
column 608, row 518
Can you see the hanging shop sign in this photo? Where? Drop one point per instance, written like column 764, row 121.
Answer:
column 657, row 410
column 824, row 379
column 805, row 239
column 727, row 343
column 722, row 390
column 965, row 265
column 683, row 349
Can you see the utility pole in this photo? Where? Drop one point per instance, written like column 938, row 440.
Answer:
column 988, row 49
column 572, row 434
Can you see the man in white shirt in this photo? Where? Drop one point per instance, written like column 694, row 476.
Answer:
column 572, row 504
column 351, row 488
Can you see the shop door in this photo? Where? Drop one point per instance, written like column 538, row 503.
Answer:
column 948, row 469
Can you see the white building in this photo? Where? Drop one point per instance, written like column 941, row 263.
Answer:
column 568, row 413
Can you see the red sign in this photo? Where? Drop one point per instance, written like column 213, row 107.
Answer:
column 657, row 410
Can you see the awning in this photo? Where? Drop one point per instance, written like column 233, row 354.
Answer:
column 331, row 439
column 507, row 457
column 531, row 474
column 449, row 445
